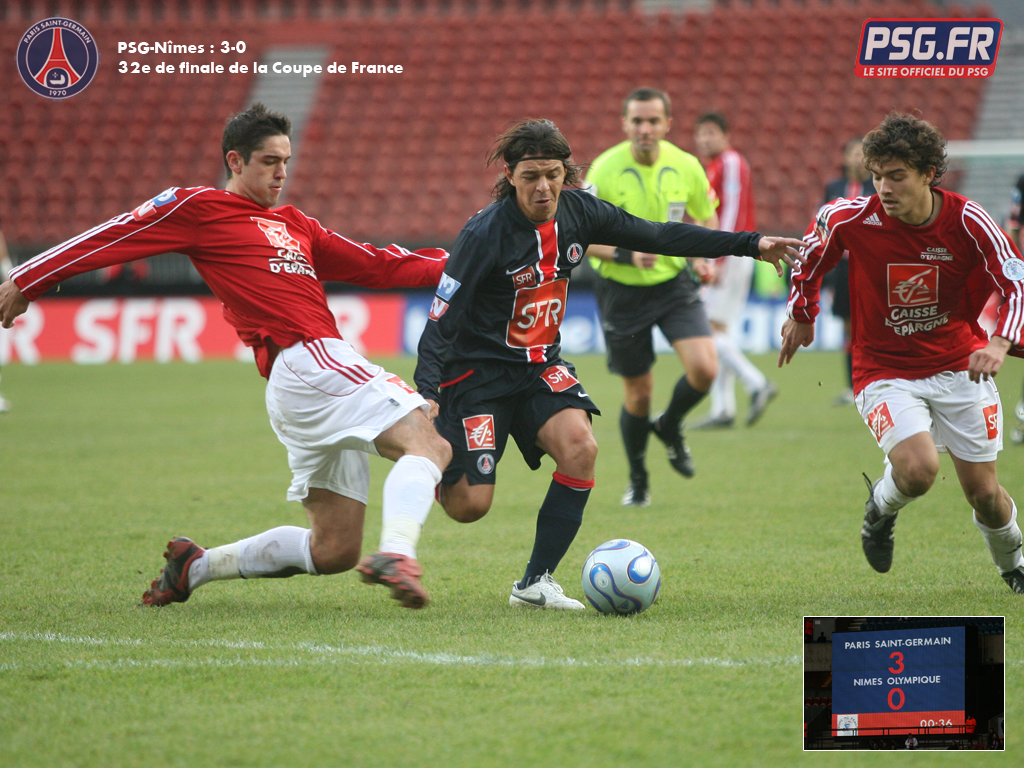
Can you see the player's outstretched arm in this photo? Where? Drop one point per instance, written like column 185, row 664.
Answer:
column 12, row 303
column 781, row 250
column 794, row 336
column 989, row 359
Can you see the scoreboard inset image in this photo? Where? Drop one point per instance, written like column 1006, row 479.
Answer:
column 898, row 679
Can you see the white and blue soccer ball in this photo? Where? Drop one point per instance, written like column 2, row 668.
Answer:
column 621, row 576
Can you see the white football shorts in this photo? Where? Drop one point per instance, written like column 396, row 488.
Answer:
column 964, row 418
column 327, row 404
column 725, row 299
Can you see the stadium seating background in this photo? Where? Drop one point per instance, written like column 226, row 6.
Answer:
column 401, row 157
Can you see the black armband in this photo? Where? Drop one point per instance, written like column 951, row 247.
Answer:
column 622, row 256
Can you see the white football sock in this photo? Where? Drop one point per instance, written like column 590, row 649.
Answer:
column 1004, row 544
column 888, row 498
column 723, row 395
column 730, row 356
column 279, row 552
column 408, row 496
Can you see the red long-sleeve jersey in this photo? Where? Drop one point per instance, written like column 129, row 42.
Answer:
column 916, row 292
column 729, row 175
column 264, row 265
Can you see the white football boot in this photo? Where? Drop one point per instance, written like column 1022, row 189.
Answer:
column 544, row 593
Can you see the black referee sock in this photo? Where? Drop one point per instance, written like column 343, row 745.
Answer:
column 635, row 431
column 558, row 521
column 684, row 397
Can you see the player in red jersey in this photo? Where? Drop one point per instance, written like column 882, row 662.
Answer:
column 327, row 404
column 923, row 262
column 726, row 296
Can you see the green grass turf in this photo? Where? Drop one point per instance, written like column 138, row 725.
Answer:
column 100, row 465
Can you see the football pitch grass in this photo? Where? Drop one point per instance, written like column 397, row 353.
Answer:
column 99, row 466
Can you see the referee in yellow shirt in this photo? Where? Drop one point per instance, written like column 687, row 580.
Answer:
column 651, row 178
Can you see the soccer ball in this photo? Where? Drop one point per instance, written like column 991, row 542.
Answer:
column 621, row 576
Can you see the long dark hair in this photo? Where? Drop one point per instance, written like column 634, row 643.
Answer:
column 534, row 139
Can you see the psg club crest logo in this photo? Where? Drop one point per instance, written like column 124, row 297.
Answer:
column 57, row 58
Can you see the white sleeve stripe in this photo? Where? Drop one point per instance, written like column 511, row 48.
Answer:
column 730, row 180
column 843, row 205
column 1011, row 328
column 854, row 206
column 61, row 247
column 117, row 221
column 812, row 242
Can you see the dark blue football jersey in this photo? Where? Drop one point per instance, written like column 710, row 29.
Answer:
column 503, row 292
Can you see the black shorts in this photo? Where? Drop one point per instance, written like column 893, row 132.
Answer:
column 483, row 403
column 630, row 312
column 839, row 279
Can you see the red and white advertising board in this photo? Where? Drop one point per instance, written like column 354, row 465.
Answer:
column 103, row 330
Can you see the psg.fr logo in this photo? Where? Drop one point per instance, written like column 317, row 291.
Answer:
column 57, row 58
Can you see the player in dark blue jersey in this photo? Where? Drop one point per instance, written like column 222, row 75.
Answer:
column 490, row 354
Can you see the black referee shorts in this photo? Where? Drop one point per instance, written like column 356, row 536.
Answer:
column 630, row 312
column 483, row 403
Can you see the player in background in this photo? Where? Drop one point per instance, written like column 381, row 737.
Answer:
column 637, row 290
column 1013, row 227
column 726, row 295
column 490, row 355
column 5, row 268
column 327, row 404
column 855, row 182
column 923, row 263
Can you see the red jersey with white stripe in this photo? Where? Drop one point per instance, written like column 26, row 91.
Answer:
column 264, row 265
column 916, row 292
column 729, row 175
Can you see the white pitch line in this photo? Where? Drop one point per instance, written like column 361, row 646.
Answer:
column 318, row 653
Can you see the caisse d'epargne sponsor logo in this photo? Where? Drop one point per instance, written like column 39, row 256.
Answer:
column 929, row 47
column 914, row 299
column 57, row 57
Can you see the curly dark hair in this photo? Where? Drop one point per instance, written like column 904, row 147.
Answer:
column 904, row 137
column 246, row 131
column 531, row 138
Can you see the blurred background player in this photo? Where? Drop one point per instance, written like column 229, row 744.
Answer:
column 490, row 355
column 5, row 268
column 923, row 263
column 651, row 178
column 855, row 182
column 328, row 405
column 1013, row 227
column 726, row 295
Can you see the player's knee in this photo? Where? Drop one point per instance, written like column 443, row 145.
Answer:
column 334, row 556
column 703, row 375
column 466, row 503
column 577, row 456
column 917, row 477
column 467, row 511
column 427, row 442
column 440, row 452
column 585, row 452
